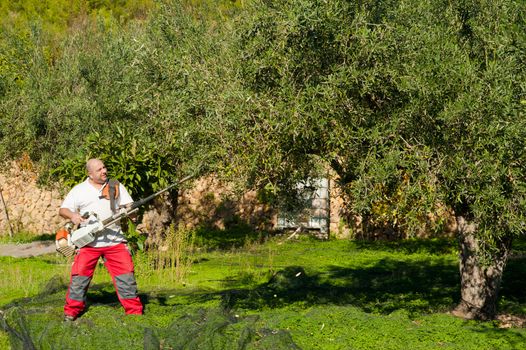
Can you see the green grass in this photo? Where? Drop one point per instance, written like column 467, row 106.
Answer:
column 307, row 294
column 25, row 237
column 26, row 277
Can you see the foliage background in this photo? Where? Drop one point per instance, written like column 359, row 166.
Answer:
column 418, row 107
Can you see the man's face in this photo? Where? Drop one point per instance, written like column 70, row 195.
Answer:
column 98, row 172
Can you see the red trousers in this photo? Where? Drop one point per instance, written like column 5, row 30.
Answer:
column 119, row 263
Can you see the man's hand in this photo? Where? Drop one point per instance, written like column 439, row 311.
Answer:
column 132, row 216
column 74, row 217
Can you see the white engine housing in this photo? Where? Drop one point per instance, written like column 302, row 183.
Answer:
column 86, row 234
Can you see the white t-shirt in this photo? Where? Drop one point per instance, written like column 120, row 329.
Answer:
column 84, row 197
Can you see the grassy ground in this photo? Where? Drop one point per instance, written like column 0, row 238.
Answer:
column 278, row 295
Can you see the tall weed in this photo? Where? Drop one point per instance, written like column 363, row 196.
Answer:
column 249, row 265
column 171, row 261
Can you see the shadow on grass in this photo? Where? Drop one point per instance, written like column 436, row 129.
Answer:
column 420, row 286
column 513, row 287
column 235, row 236
column 105, row 294
column 437, row 246
column 388, row 285
column 102, row 294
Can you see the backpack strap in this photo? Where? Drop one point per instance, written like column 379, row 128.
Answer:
column 113, row 186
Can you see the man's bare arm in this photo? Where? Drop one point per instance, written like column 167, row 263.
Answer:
column 74, row 217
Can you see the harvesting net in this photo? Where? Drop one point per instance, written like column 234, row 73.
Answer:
column 36, row 323
column 217, row 329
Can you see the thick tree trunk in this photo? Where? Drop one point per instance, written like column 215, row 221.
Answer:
column 480, row 283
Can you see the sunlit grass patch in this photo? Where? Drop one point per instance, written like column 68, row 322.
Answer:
column 307, row 294
column 348, row 327
column 27, row 277
column 25, row 237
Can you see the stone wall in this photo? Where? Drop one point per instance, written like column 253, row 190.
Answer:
column 208, row 202
column 28, row 207
column 34, row 210
column 212, row 204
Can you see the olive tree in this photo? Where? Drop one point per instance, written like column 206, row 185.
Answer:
column 419, row 102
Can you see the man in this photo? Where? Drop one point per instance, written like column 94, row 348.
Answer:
column 110, row 244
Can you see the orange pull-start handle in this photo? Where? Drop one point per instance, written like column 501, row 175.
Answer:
column 62, row 240
column 62, row 233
